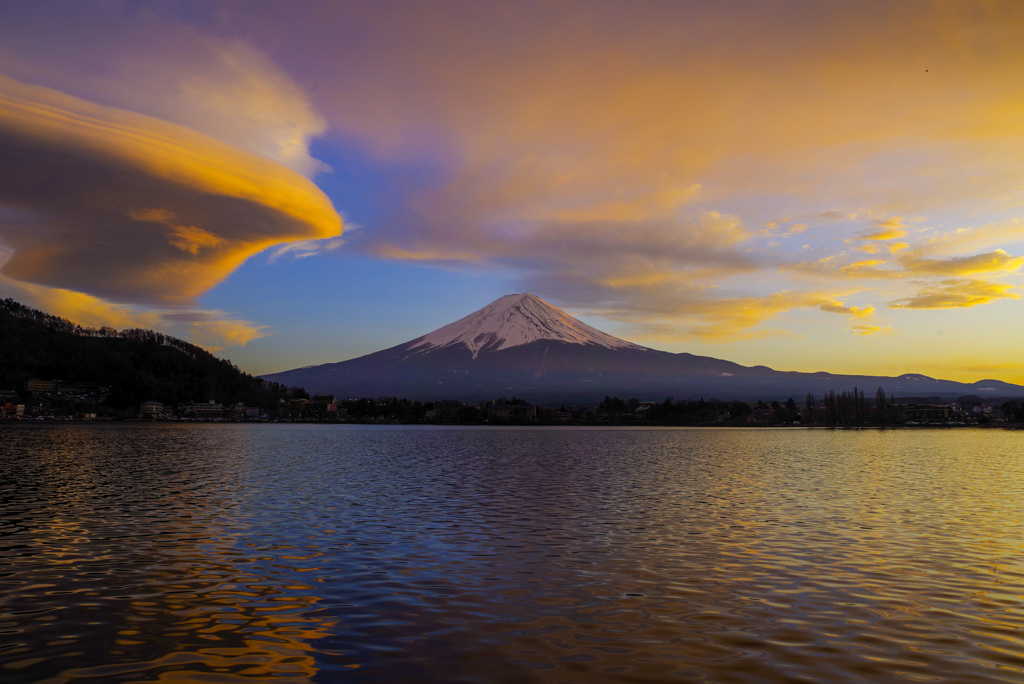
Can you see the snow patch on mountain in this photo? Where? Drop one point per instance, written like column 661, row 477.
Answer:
column 514, row 320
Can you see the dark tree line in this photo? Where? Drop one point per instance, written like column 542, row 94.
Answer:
column 133, row 365
column 672, row 412
column 1013, row 411
column 392, row 409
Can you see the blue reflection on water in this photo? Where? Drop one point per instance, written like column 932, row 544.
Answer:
column 306, row 553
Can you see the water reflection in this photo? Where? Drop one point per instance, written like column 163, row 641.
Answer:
column 118, row 566
column 304, row 553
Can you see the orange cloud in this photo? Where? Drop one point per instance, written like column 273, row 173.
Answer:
column 907, row 262
column 718, row 320
column 186, row 238
column 956, row 293
column 86, row 310
column 191, row 239
column 835, row 306
column 64, row 160
column 889, row 229
column 673, row 311
column 997, row 261
column 227, row 332
column 869, row 329
column 211, row 329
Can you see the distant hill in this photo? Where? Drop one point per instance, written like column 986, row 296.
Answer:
column 521, row 346
column 135, row 365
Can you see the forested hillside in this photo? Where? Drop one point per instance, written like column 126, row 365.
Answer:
column 136, row 365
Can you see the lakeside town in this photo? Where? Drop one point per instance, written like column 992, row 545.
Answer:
column 52, row 400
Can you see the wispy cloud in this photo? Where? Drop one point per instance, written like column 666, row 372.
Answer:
column 303, row 249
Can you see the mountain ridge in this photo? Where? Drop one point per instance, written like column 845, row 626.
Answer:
column 522, row 346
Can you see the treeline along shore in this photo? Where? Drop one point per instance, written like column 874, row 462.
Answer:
column 51, row 368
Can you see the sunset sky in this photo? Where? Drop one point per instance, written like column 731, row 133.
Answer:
column 805, row 185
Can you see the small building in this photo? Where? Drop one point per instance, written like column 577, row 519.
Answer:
column 37, row 385
column 509, row 411
column 761, row 415
column 209, row 410
column 241, row 412
column 446, row 411
column 927, row 413
column 12, row 410
column 319, row 407
column 80, row 388
column 291, row 409
column 155, row 410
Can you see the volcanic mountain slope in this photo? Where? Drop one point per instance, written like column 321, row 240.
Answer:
column 519, row 345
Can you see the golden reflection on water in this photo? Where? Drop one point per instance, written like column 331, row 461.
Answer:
column 208, row 620
column 216, row 624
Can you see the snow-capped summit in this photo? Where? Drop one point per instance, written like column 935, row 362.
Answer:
column 515, row 320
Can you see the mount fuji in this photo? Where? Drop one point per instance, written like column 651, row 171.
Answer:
column 520, row 345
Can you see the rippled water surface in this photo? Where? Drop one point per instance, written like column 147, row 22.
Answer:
column 228, row 553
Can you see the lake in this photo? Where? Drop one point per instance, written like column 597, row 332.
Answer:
column 306, row 553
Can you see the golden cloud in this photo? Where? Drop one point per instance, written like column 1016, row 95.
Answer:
column 86, row 310
column 836, row 306
column 191, row 239
column 731, row 319
column 130, row 208
column 884, row 234
column 725, row 319
column 228, row 332
column 956, row 293
column 888, row 229
column 866, row 267
column 997, row 261
column 674, row 310
column 211, row 329
column 913, row 263
column 186, row 238
column 869, row 329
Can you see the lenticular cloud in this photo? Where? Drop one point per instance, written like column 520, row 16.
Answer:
column 132, row 208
